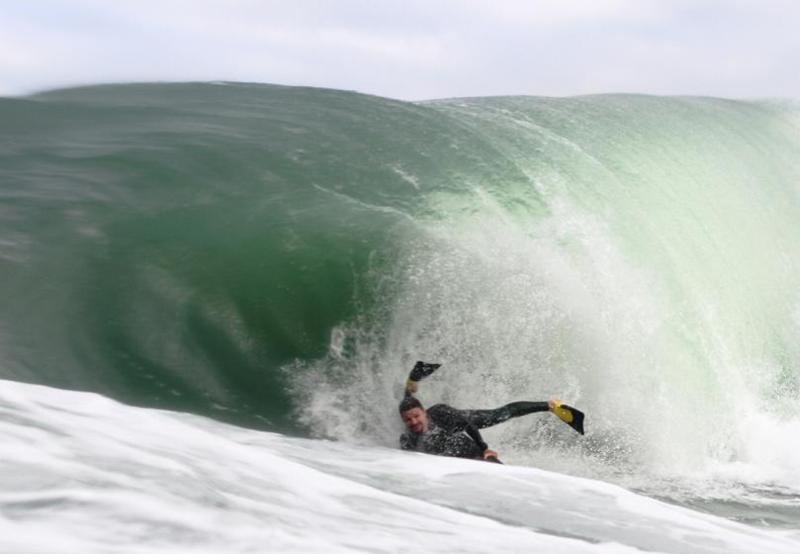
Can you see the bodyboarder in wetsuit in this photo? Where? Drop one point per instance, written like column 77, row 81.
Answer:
column 447, row 431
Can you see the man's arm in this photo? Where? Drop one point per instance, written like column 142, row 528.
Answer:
column 454, row 420
column 473, row 432
column 407, row 442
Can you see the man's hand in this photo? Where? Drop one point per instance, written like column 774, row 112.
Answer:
column 488, row 453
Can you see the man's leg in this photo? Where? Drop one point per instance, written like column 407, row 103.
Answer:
column 487, row 418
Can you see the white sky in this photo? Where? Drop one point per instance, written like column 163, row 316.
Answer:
column 411, row 49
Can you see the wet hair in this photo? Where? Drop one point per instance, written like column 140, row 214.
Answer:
column 409, row 403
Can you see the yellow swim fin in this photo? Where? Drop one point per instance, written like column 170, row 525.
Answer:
column 569, row 415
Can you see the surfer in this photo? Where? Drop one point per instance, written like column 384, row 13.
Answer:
column 447, row 431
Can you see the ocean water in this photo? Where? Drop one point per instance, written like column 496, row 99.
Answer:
column 237, row 278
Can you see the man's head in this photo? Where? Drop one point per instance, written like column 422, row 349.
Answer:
column 414, row 415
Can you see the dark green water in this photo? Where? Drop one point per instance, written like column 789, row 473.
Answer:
column 174, row 245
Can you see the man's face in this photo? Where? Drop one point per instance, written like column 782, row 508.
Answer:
column 416, row 419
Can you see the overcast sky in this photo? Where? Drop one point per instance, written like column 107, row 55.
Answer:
column 411, row 49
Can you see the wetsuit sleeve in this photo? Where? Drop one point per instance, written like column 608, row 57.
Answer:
column 455, row 421
column 406, row 442
column 473, row 432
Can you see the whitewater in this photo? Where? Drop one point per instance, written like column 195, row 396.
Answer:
column 82, row 473
column 212, row 294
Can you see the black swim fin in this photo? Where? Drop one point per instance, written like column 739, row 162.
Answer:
column 569, row 415
column 420, row 371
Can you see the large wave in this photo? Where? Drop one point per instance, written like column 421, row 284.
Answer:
column 280, row 257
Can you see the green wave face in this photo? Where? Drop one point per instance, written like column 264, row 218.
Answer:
column 176, row 244
column 280, row 256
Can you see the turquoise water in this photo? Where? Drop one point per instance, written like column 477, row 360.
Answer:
column 278, row 257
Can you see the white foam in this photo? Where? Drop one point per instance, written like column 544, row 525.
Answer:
column 81, row 473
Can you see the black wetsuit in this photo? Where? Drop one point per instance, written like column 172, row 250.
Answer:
column 453, row 432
